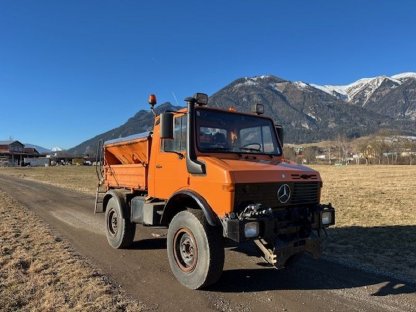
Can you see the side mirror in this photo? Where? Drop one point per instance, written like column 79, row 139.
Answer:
column 166, row 126
column 201, row 98
column 280, row 133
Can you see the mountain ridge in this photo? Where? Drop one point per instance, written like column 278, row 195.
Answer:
column 142, row 121
column 307, row 114
column 307, row 111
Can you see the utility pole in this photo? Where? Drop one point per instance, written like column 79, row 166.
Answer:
column 329, row 155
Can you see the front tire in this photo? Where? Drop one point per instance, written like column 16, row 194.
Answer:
column 120, row 231
column 195, row 250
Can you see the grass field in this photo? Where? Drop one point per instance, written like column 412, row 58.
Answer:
column 375, row 211
column 79, row 178
column 375, row 217
column 371, row 196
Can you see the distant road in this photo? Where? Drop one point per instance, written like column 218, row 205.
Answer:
column 143, row 271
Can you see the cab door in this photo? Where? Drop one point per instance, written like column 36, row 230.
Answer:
column 171, row 173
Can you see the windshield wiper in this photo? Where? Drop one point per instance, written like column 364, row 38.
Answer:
column 216, row 149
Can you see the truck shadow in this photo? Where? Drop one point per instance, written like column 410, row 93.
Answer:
column 149, row 244
column 302, row 278
column 352, row 245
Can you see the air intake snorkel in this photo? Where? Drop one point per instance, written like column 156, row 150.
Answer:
column 193, row 165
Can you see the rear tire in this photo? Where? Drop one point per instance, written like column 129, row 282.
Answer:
column 120, row 231
column 195, row 250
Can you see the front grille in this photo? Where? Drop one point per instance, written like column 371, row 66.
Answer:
column 305, row 193
column 296, row 176
column 302, row 193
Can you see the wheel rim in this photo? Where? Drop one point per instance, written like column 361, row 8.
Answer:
column 112, row 222
column 185, row 250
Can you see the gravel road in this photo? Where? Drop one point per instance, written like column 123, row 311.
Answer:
column 246, row 284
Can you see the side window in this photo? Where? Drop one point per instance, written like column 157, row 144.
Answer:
column 178, row 144
column 268, row 144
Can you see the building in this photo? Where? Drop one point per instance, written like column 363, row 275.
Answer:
column 13, row 152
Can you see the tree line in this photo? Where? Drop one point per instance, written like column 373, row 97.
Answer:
column 377, row 149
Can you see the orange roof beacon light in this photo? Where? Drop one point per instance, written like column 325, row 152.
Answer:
column 152, row 100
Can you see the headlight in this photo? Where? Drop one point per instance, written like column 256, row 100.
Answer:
column 327, row 218
column 251, row 229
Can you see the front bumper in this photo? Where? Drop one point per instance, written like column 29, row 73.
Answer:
column 280, row 239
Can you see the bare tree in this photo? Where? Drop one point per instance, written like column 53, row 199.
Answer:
column 289, row 153
column 363, row 149
column 309, row 154
column 409, row 148
column 380, row 147
column 342, row 144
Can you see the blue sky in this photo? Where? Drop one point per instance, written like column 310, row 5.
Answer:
column 70, row 70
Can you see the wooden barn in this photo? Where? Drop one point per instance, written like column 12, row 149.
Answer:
column 13, row 152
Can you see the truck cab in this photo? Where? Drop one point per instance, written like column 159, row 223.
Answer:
column 210, row 175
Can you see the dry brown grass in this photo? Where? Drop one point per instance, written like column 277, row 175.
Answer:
column 375, row 217
column 371, row 195
column 79, row 178
column 39, row 272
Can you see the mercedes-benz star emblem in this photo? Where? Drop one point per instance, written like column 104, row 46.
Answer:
column 283, row 193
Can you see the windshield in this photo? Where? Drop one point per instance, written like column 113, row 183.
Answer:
column 231, row 132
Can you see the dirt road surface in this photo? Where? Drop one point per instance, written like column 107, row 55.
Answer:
column 143, row 270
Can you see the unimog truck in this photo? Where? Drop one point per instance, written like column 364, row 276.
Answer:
column 211, row 177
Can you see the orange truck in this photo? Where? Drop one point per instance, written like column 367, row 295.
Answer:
column 211, row 177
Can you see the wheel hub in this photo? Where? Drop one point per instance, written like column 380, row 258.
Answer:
column 113, row 222
column 185, row 250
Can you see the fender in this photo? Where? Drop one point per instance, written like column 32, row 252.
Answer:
column 188, row 198
column 121, row 200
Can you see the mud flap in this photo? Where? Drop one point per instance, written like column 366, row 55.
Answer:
column 280, row 251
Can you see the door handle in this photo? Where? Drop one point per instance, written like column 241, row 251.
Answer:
column 158, row 166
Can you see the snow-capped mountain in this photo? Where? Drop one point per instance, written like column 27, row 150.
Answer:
column 391, row 96
column 313, row 112
column 307, row 113
column 404, row 76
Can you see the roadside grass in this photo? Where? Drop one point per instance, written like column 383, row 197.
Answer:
column 78, row 178
column 375, row 211
column 40, row 272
